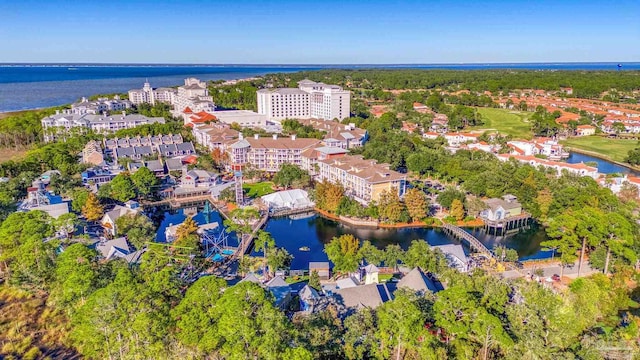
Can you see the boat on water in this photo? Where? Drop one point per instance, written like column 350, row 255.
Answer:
column 304, row 248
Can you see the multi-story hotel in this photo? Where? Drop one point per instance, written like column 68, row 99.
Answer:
column 267, row 154
column 363, row 180
column 149, row 95
column 310, row 99
column 57, row 125
column 194, row 95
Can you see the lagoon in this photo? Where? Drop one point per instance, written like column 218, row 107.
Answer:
column 604, row 166
column 315, row 231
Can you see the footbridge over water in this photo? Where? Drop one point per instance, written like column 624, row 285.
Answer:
column 462, row 235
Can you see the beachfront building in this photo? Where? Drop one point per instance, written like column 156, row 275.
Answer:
column 59, row 124
column 363, row 179
column 149, row 95
column 268, row 153
column 310, row 100
column 193, row 95
column 100, row 105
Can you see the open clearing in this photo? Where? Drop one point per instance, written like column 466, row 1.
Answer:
column 614, row 149
column 510, row 122
column 258, row 189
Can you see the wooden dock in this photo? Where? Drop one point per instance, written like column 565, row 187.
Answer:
column 287, row 212
column 462, row 235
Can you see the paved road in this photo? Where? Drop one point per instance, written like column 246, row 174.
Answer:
column 551, row 269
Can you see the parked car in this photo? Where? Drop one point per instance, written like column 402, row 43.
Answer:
column 555, row 277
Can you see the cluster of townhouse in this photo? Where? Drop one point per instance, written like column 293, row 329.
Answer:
column 548, row 147
column 362, row 289
column 577, row 169
column 143, row 147
column 626, row 114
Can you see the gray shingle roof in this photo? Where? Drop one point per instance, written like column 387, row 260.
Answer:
column 418, row 281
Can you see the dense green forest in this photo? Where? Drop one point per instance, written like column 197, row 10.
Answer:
column 586, row 84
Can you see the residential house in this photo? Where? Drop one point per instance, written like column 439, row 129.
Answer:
column 109, row 219
column 198, row 178
column 280, row 290
column 585, row 130
column 352, row 299
column 419, row 282
column 39, row 198
column 98, row 176
column 456, row 258
column 500, row 209
column 309, row 297
column 117, row 249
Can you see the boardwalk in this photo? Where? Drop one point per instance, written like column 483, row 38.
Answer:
column 247, row 239
column 180, row 202
column 474, row 243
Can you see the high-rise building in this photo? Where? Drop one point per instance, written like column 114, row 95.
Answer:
column 194, row 95
column 310, row 100
column 151, row 96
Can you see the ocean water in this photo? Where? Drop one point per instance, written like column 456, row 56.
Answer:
column 28, row 86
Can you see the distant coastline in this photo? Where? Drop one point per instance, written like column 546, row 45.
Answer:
column 26, row 86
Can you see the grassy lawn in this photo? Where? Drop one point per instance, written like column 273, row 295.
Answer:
column 615, row 149
column 506, row 121
column 258, row 189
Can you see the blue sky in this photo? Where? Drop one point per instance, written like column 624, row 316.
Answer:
column 319, row 32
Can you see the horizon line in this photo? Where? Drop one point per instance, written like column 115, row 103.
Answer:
column 322, row 64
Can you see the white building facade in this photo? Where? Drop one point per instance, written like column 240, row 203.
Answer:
column 194, row 95
column 57, row 125
column 310, row 100
column 149, row 95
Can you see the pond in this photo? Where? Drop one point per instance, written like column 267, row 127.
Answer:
column 315, row 231
column 604, row 166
